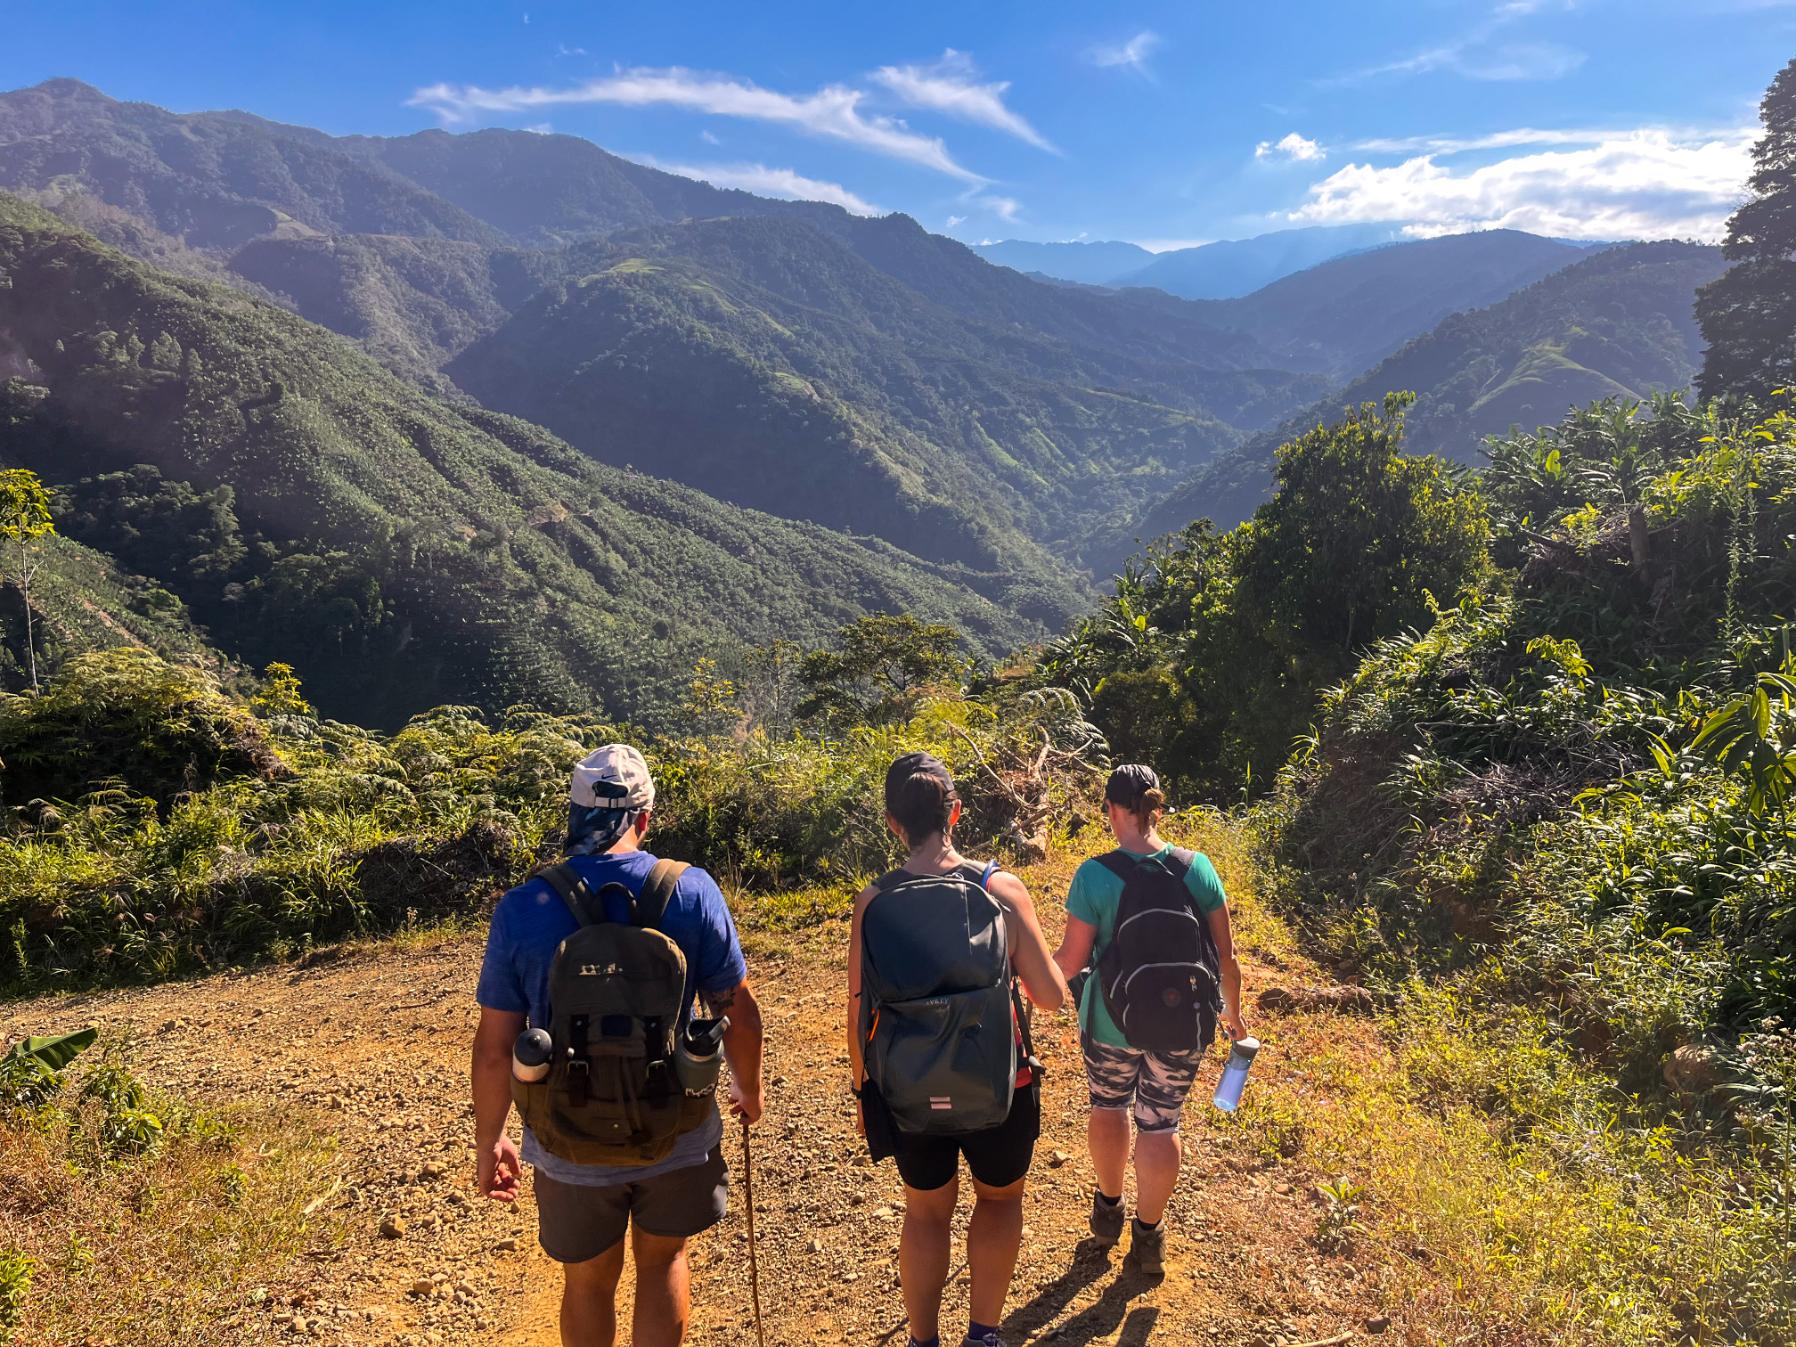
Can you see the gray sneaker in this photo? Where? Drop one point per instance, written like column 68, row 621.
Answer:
column 1147, row 1249
column 990, row 1339
column 1106, row 1220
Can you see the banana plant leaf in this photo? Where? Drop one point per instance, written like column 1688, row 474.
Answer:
column 56, row 1052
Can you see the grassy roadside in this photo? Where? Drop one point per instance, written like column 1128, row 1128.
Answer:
column 1499, row 1187
column 122, row 1205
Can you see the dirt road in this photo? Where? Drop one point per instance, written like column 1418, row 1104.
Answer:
column 375, row 1041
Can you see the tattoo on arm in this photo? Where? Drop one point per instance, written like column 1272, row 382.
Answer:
column 720, row 1002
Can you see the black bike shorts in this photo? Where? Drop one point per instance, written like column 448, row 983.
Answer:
column 997, row 1157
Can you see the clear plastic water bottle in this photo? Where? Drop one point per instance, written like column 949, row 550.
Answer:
column 699, row 1054
column 1234, row 1073
column 530, row 1055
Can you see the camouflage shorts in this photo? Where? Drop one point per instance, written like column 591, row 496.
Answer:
column 1155, row 1082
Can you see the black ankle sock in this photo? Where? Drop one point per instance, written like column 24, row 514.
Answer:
column 1107, row 1200
column 1143, row 1225
column 981, row 1330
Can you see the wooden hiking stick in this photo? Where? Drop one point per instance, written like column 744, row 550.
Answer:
column 754, row 1271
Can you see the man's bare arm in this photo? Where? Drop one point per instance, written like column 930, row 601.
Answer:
column 490, row 1075
column 743, row 1044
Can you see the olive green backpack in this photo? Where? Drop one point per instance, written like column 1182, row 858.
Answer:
column 616, row 990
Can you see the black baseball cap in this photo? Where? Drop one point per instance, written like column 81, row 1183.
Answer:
column 916, row 764
column 1129, row 783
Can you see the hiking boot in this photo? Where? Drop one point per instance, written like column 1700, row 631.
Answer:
column 990, row 1339
column 1106, row 1220
column 1147, row 1249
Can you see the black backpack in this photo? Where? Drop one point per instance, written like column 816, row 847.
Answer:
column 938, row 1000
column 1160, row 975
column 616, row 993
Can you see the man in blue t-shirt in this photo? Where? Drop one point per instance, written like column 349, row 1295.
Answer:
column 583, row 1211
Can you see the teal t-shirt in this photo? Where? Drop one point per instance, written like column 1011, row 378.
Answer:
column 1093, row 898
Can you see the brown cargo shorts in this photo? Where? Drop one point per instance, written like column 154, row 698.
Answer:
column 577, row 1221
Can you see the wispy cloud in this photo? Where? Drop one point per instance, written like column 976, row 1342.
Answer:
column 1481, row 54
column 1648, row 183
column 785, row 183
column 1131, row 55
column 955, row 221
column 833, row 112
column 1293, row 147
column 951, row 86
column 710, row 137
column 1006, row 208
column 562, row 49
column 1476, row 60
column 1494, row 140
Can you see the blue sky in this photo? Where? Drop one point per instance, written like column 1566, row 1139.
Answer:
column 1160, row 123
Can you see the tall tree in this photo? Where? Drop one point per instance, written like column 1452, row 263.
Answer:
column 24, row 518
column 1748, row 316
column 877, row 667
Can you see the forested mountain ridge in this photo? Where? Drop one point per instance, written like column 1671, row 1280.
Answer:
column 1230, row 268
column 210, row 180
column 1346, row 314
column 358, row 527
column 1618, row 323
column 731, row 350
column 215, row 180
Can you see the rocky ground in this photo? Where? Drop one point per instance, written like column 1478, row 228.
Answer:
column 375, row 1041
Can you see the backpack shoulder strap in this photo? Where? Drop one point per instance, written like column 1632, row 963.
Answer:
column 571, row 885
column 1182, row 857
column 1118, row 863
column 651, row 903
column 975, row 873
column 891, row 879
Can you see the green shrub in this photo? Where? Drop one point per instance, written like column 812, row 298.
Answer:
column 125, row 716
column 15, row 1285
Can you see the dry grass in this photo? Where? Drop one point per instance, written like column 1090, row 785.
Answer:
column 158, row 1248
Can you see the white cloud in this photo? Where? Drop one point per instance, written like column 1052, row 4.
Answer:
column 950, row 86
column 562, row 49
column 785, row 183
column 833, row 111
column 1292, row 147
column 710, row 137
column 1131, row 55
column 1006, row 208
column 955, row 221
column 1648, row 183
column 541, row 128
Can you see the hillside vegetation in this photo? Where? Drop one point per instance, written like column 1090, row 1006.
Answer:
column 1616, row 324
column 331, row 513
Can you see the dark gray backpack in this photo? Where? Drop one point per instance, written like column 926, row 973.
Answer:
column 616, row 992
column 939, row 1015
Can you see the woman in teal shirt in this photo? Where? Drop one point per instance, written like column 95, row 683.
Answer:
column 1122, row 1077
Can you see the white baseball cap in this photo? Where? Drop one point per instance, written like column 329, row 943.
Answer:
column 612, row 777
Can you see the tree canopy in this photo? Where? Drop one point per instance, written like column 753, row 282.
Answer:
column 1748, row 316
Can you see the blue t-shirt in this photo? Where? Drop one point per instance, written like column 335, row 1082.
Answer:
column 532, row 920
